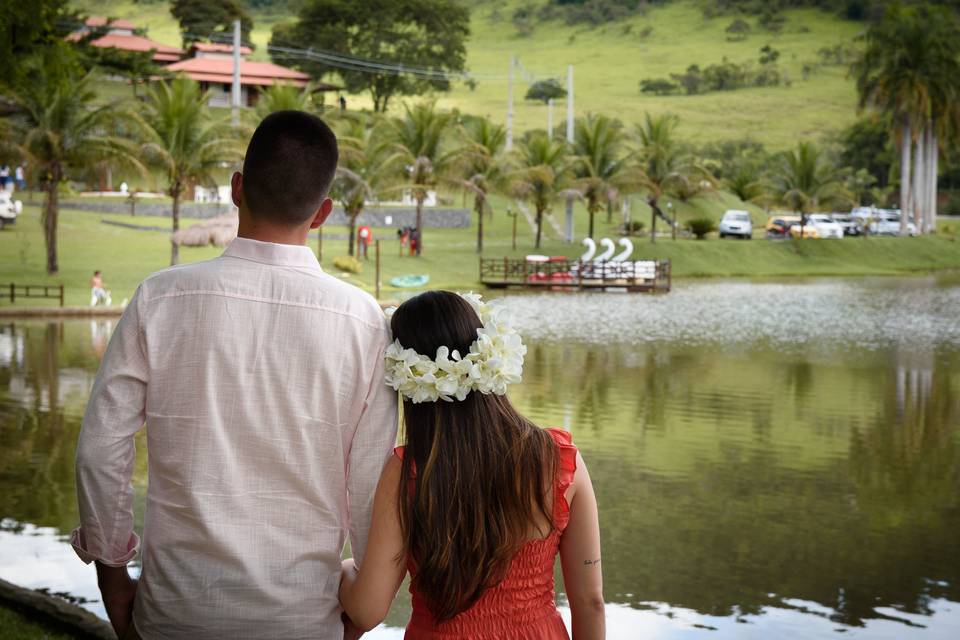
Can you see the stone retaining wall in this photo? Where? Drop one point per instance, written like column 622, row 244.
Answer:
column 385, row 217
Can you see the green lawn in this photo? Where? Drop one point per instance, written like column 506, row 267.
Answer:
column 126, row 256
column 611, row 60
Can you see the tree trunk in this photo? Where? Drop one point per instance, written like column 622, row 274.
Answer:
column 351, row 233
column 653, row 219
column 478, row 207
column 905, row 148
column 539, row 227
column 919, row 183
column 174, row 247
column 50, row 214
column 932, row 162
column 419, row 225
column 590, row 231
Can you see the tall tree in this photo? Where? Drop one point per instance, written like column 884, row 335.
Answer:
column 32, row 29
column 60, row 127
column 184, row 140
column 910, row 71
column 601, row 167
column 419, row 136
column 426, row 36
column 804, row 180
column 665, row 166
column 481, row 165
column 206, row 19
column 541, row 173
column 367, row 166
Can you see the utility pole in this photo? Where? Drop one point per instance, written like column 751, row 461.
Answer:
column 570, row 140
column 510, row 104
column 235, row 93
column 550, row 119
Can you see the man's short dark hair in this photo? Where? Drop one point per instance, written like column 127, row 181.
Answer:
column 289, row 166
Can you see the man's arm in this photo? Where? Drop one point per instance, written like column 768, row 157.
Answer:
column 373, row 441
column 105, row 460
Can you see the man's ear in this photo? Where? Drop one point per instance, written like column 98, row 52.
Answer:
column 236, row 188
column 326, row 208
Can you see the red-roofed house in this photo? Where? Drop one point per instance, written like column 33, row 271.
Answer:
column 212, row 66
column 121, row 34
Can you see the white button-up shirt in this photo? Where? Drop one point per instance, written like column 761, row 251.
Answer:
column 261, row 382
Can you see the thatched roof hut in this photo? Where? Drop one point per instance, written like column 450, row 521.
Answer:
column 219, row 232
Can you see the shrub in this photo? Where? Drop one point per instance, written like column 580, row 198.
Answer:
column 700, row 227
column 348, row 264
column 633, row 228
column 545, row 90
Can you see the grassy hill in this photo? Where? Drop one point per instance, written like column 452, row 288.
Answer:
column 610, row 60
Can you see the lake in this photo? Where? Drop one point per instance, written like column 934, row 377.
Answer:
column 771, row 460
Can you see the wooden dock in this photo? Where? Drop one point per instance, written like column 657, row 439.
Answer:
column 563, row 274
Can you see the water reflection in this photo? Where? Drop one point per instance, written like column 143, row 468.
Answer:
column 747, row 490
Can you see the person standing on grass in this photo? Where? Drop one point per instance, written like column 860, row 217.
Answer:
column 479, row 501
column 260, row 380
column 98, row 295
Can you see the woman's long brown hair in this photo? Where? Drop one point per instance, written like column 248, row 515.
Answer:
column 476, row 475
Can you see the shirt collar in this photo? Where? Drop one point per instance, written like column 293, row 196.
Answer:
column 284, row 255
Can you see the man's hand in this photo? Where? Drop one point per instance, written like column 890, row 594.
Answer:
column 118, row 591
column 350, row 632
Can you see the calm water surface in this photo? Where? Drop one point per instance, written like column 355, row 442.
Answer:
column 771, row 461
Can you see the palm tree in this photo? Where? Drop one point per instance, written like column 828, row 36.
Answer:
column 804, row 180
column 61, row 128
column 481, row 165
column 745, row 182
column 665, row 168
column 418, row 136
column 542, row 167
column 184, row 140
column 910, row 70
column 284, row 97
column 367, row 165
column 601, row 167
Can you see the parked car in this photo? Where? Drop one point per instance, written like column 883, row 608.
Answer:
column 736, row 223
column 9, row 209
column 888, row 224
column 806, row 231
column 851, row 226
column 779, row 226
column 825, row 226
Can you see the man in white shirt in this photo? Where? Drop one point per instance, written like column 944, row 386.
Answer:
column 260, row 380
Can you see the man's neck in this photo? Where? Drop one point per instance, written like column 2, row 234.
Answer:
column 253, row 230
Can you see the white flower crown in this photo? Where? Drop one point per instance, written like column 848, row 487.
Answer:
column 495, row 360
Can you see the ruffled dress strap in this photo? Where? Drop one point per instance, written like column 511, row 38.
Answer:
column 566, row 469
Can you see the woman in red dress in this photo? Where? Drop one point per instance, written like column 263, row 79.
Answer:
column 479, row 501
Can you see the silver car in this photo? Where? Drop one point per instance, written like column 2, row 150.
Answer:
column 736, row 223
column 9, row 209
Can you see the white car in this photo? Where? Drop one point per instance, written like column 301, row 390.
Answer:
column 888, row 224
column 736, row 223
column 825, row 226
column 9, row 209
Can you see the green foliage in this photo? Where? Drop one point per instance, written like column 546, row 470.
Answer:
column 206, row 19
column 416, row 33
column 601, row 167
column 348, row 264
column 34, row 29
column 726, row 76
column 545, row 90
column 700, row 227
column 867, row 145
column 282, row 97
column 542, row 167
column 803, row 180
column 738, row 30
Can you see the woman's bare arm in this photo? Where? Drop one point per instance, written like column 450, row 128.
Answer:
column 366, row 594
column 580, row 558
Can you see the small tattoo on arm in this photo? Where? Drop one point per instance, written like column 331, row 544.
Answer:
column 591, row 562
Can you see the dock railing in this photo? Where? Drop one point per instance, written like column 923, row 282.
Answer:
column 562, row 273
column 48, row 291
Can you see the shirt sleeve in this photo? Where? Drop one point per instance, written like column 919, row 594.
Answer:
column 373, row 442
column 106, row 449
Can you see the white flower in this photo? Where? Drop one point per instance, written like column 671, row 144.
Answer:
column 495, row 361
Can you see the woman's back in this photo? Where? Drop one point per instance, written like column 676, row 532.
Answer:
column 521, row 606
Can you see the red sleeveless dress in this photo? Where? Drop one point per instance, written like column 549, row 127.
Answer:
column 522, row 606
